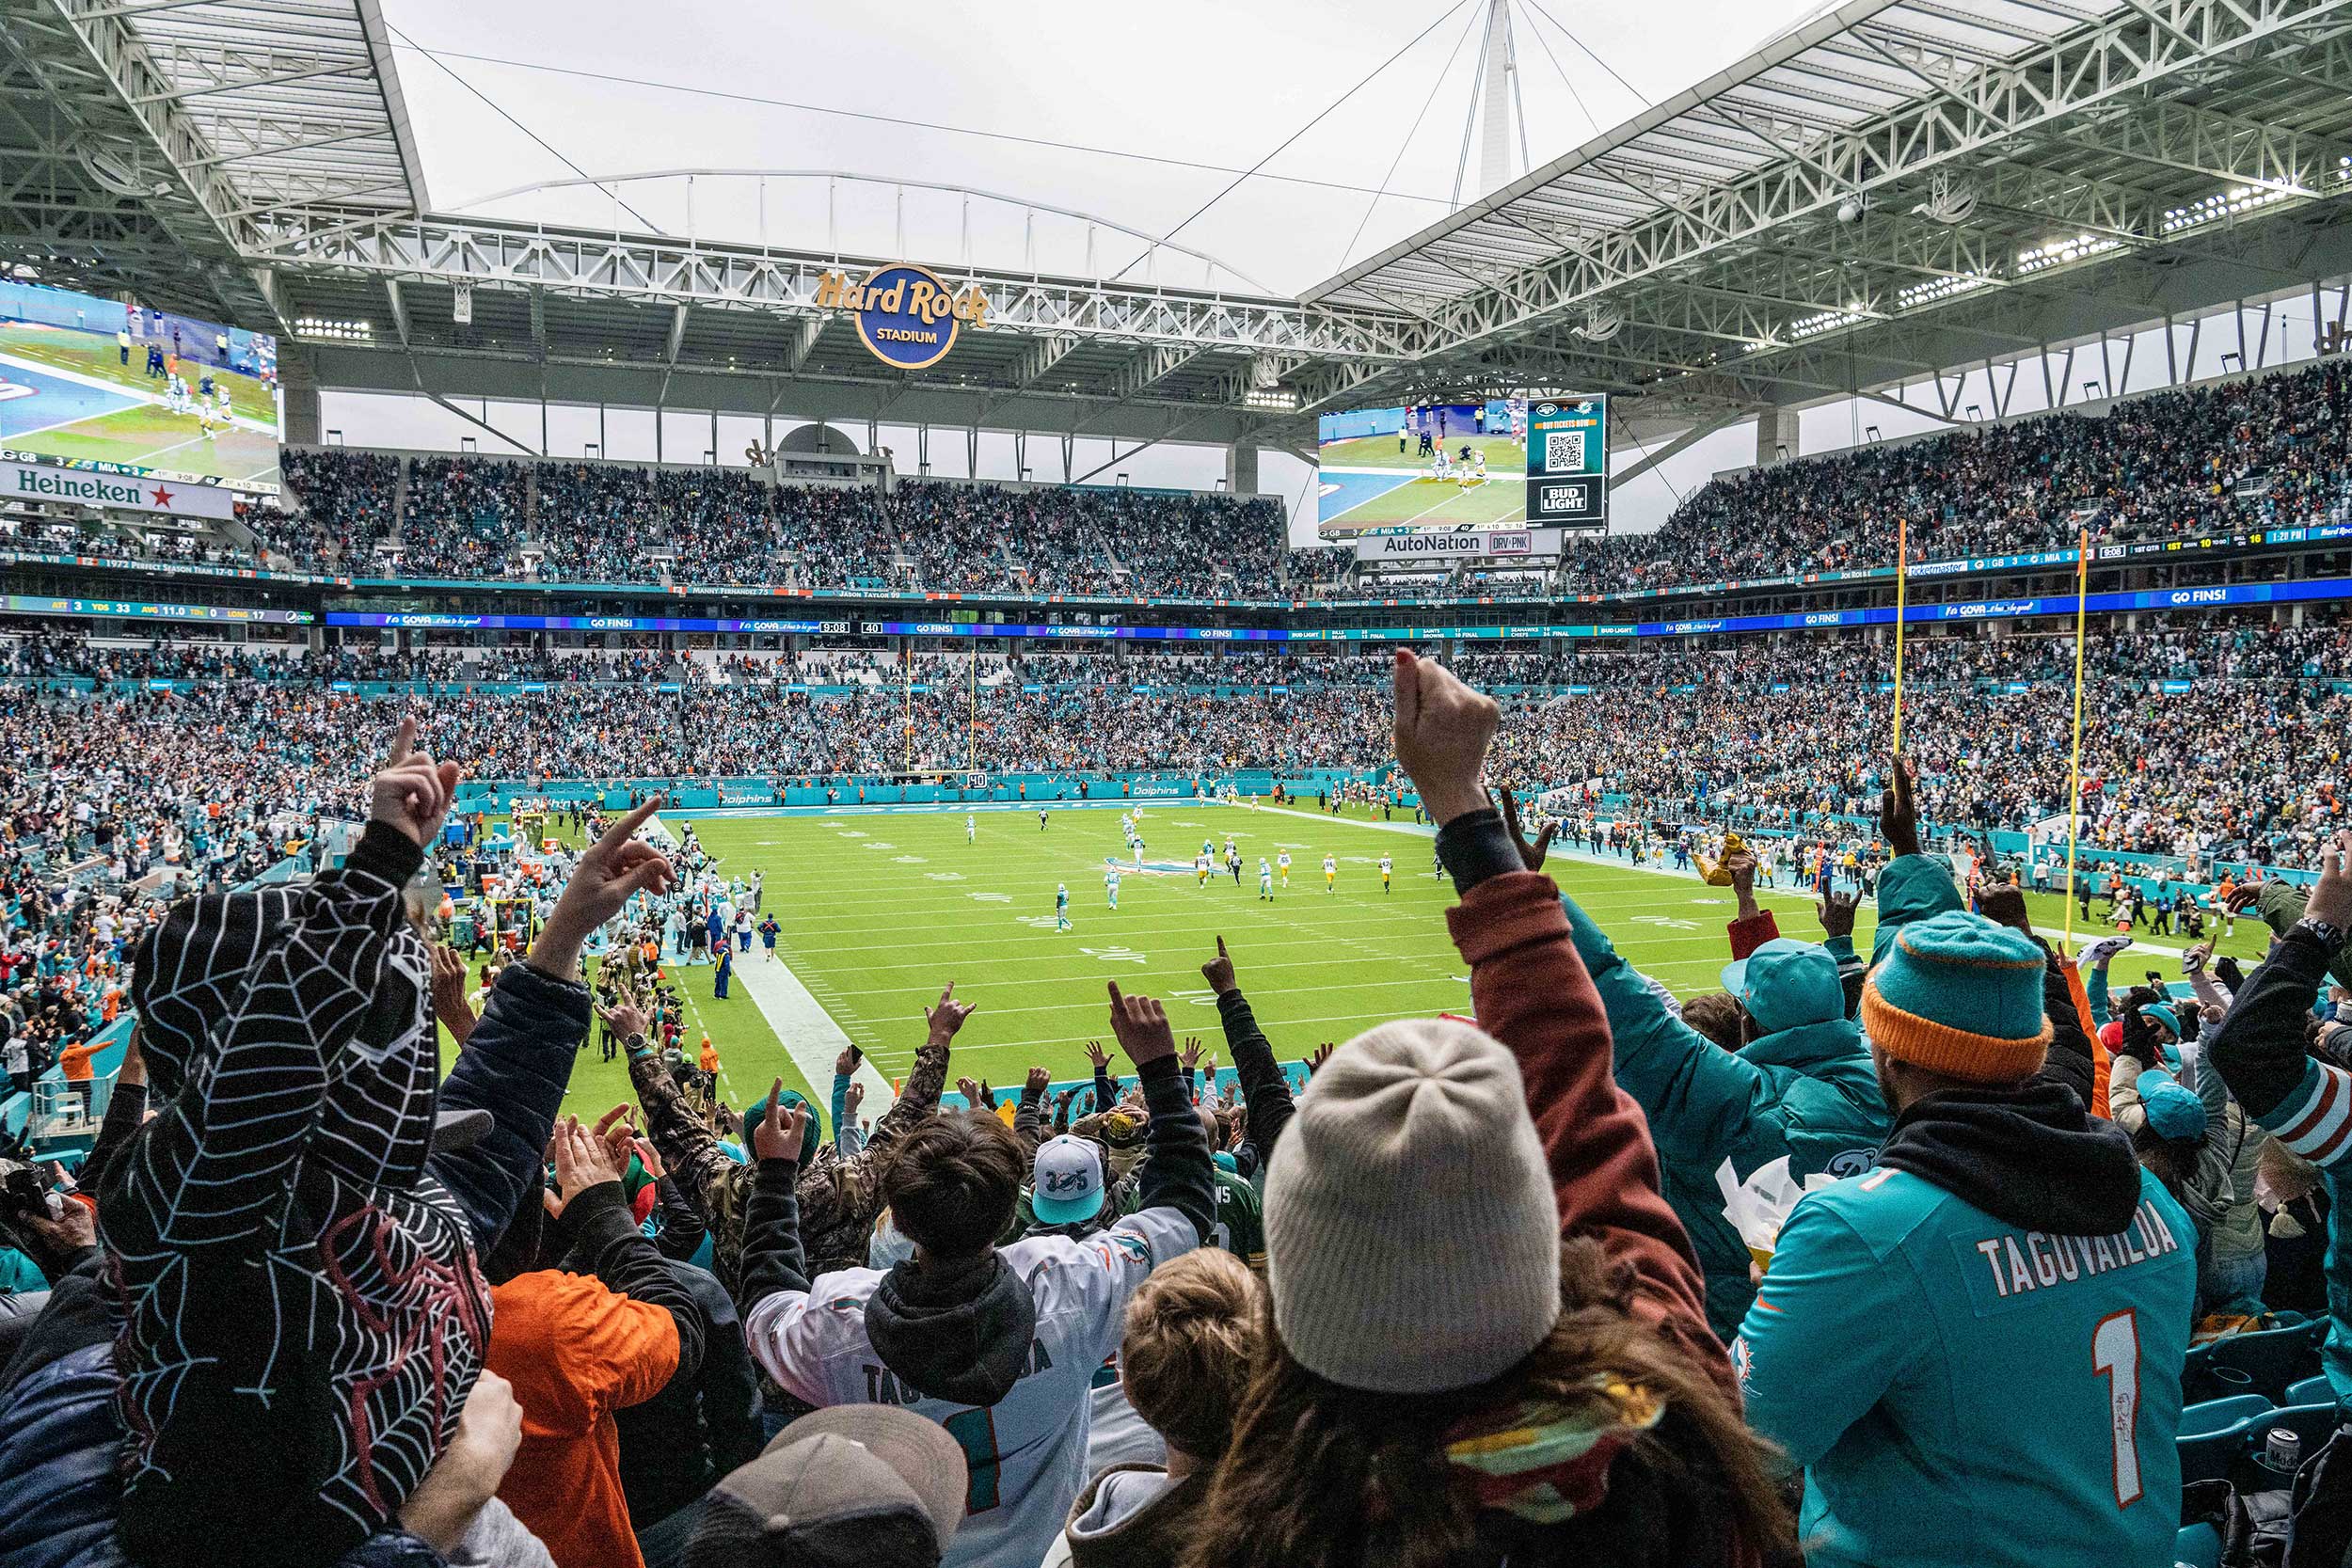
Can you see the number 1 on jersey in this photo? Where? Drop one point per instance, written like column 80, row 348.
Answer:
column 974, row 1432
column 2114, row 1355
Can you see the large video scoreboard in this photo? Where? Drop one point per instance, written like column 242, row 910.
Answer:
column 1567, row 462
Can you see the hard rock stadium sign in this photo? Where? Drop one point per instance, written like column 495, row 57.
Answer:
column 906, row 317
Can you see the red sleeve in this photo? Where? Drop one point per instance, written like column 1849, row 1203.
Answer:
column 1532, row 992
column 1751, row 933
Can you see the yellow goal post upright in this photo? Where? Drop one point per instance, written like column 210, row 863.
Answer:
column 2075, row 764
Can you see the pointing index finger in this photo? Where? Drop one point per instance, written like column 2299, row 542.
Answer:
column 626, row 829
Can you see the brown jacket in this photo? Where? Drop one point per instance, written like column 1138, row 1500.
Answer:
column 1532, row 992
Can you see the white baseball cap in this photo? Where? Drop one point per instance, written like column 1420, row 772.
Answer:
column 1067, row 1185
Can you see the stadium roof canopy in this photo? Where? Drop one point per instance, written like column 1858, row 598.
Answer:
column 146, row 144
column 1894, row 188
column 1891, row 189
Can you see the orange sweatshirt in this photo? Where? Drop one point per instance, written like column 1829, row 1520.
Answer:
column 575, row 1352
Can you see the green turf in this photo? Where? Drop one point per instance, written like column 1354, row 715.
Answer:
column 880, row 911
column 1434, row 502
column 1504, row 454
column 145, row 437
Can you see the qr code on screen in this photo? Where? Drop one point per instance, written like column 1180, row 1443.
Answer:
column 1564, row 451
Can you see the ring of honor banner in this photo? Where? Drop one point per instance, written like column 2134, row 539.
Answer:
column 1567, row 464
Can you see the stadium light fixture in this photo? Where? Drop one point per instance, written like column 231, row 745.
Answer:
column 2058, row 252
column 2226, row 204
column 1278, row 399
column 329, row 327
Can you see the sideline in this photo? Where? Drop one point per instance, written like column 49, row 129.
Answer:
column 2055, row 933
column 809, row 1034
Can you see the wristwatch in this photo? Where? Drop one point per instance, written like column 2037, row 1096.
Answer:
column 2331, row 936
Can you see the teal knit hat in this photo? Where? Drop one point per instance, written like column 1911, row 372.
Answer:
column 1960, row 995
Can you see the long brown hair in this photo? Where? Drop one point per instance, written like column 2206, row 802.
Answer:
column 1320, row 1476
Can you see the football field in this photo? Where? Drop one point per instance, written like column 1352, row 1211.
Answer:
column 1366, row 482
column 67, row 394
column 879, row 911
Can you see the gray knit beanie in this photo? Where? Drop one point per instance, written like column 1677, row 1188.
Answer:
column 1412, row 1235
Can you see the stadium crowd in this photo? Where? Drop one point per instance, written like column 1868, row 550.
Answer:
column 1750, row 733
column 1473, row 1295
column 2268, row 452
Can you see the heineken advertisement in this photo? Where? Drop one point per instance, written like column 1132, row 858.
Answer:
column 1567, row 462
column 906, row 317
column 49, row 481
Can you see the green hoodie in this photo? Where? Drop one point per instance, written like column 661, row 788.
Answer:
column 1808, row 1091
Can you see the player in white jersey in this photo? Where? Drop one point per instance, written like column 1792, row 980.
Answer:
column 1110, row 885
column 1009, row 1338
column 1282, row 863
column 1330, row 874
column 1266, row 880
column 971, row 828
column 1041, row 820
column 1138, row 856
column 1387, row 866
column 1200, row 866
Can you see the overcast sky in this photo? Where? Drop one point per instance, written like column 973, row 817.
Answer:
column 1178, row 101
column 1214, row 81
column 1160, row 91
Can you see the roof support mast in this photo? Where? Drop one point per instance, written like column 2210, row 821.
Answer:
column 1494, row 144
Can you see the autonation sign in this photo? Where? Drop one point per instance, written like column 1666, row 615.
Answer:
column 1463, row 545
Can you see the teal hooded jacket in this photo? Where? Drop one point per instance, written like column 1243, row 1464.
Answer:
column 1804, row 1088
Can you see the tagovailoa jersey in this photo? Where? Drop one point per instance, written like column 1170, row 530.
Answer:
column 1966, row 1393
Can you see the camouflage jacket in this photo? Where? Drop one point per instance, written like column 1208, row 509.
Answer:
column 839, row 1195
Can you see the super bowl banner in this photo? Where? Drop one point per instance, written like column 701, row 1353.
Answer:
column 906, row 317
column 45, row 481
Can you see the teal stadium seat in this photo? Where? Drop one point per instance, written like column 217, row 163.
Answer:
column 2313, row 1423
column 2311, row 1390
column 2215, row 1435
column 2271, row 1359
column 2196, row 1420
column 2201, row 1381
